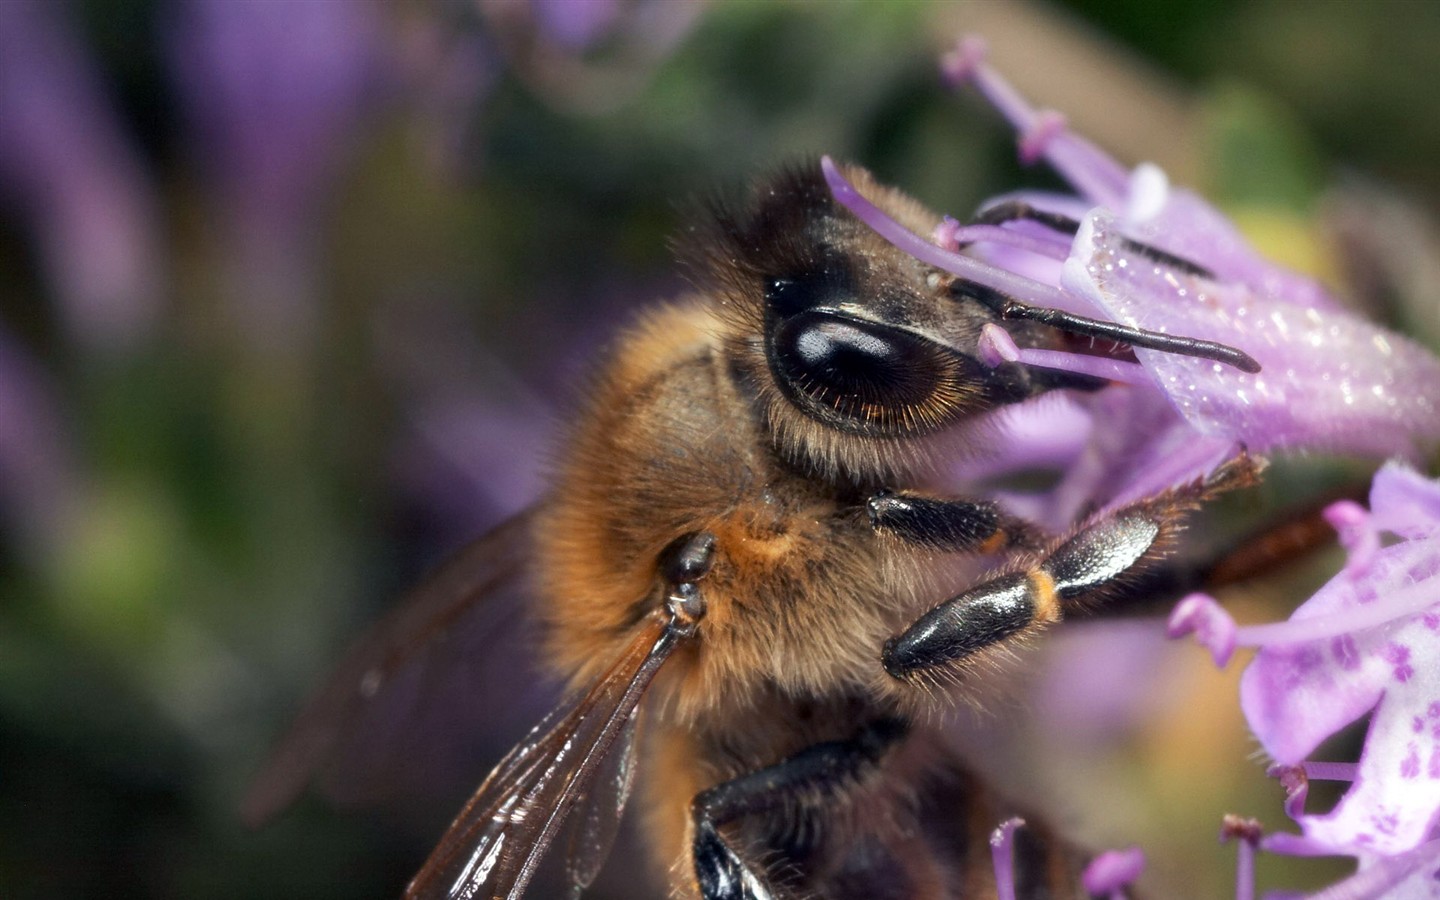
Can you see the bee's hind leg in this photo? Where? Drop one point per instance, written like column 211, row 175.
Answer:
column 816, row 773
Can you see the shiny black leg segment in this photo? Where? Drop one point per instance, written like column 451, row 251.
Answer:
column 958, row 627
column 1010, row 309
column 1092, row 560
column 721, row 874
column 1100, row 554
column 1012, row 210
column 817, row 773
column 1108, row 555
column 947, row 525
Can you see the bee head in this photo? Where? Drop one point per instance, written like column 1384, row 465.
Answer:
column 851, row 351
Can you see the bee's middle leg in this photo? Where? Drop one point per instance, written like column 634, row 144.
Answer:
column 816, row 773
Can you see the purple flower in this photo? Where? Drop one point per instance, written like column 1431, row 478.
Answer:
column 445, row 76
column 1281, row 364
column 575, row 24
column 1231, row 352
column 1368, row 640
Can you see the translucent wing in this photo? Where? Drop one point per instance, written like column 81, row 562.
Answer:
column 405, row 682
column 594, row 826
column 493, row 847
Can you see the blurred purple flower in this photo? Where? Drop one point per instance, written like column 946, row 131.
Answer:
column 1103, row 679
column 1111, row 872
column 477, row 425
column 588, row 56
column 446, row 75
column 73, row 176
column 575, row 24
column 275, row 93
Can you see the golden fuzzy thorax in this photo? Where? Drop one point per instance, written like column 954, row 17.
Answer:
column 802, row 594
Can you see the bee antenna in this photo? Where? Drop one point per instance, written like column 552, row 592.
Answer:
column 1010, row 309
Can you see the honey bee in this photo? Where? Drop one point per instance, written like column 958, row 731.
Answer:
column 739, row 551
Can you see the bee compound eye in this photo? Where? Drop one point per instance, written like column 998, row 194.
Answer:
column 824, row 285
column 788, row 296
column 873, row 377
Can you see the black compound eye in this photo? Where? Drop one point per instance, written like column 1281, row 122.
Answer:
column 787, row 296
column 825, row 286
column 851, row 359
column 862, row 376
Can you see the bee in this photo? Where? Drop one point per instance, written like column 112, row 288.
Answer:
column 744, row 573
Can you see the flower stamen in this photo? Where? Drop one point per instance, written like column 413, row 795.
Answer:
column 1044, row 135
column 1247, row 832
column 1002, row 856
column 997, row 346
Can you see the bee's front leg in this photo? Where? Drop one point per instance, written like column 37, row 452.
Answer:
column 1107, row 554
column 817, row 773
column 946, row 525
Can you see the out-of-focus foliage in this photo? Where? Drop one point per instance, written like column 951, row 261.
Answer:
column 287, row 288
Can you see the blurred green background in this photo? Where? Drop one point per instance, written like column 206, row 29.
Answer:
column 291, row 295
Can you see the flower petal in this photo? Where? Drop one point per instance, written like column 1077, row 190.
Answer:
column 1330, row 380
column 1212, row 626
column 1408, row 876
column 1294, row 696
column 1405, row 502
